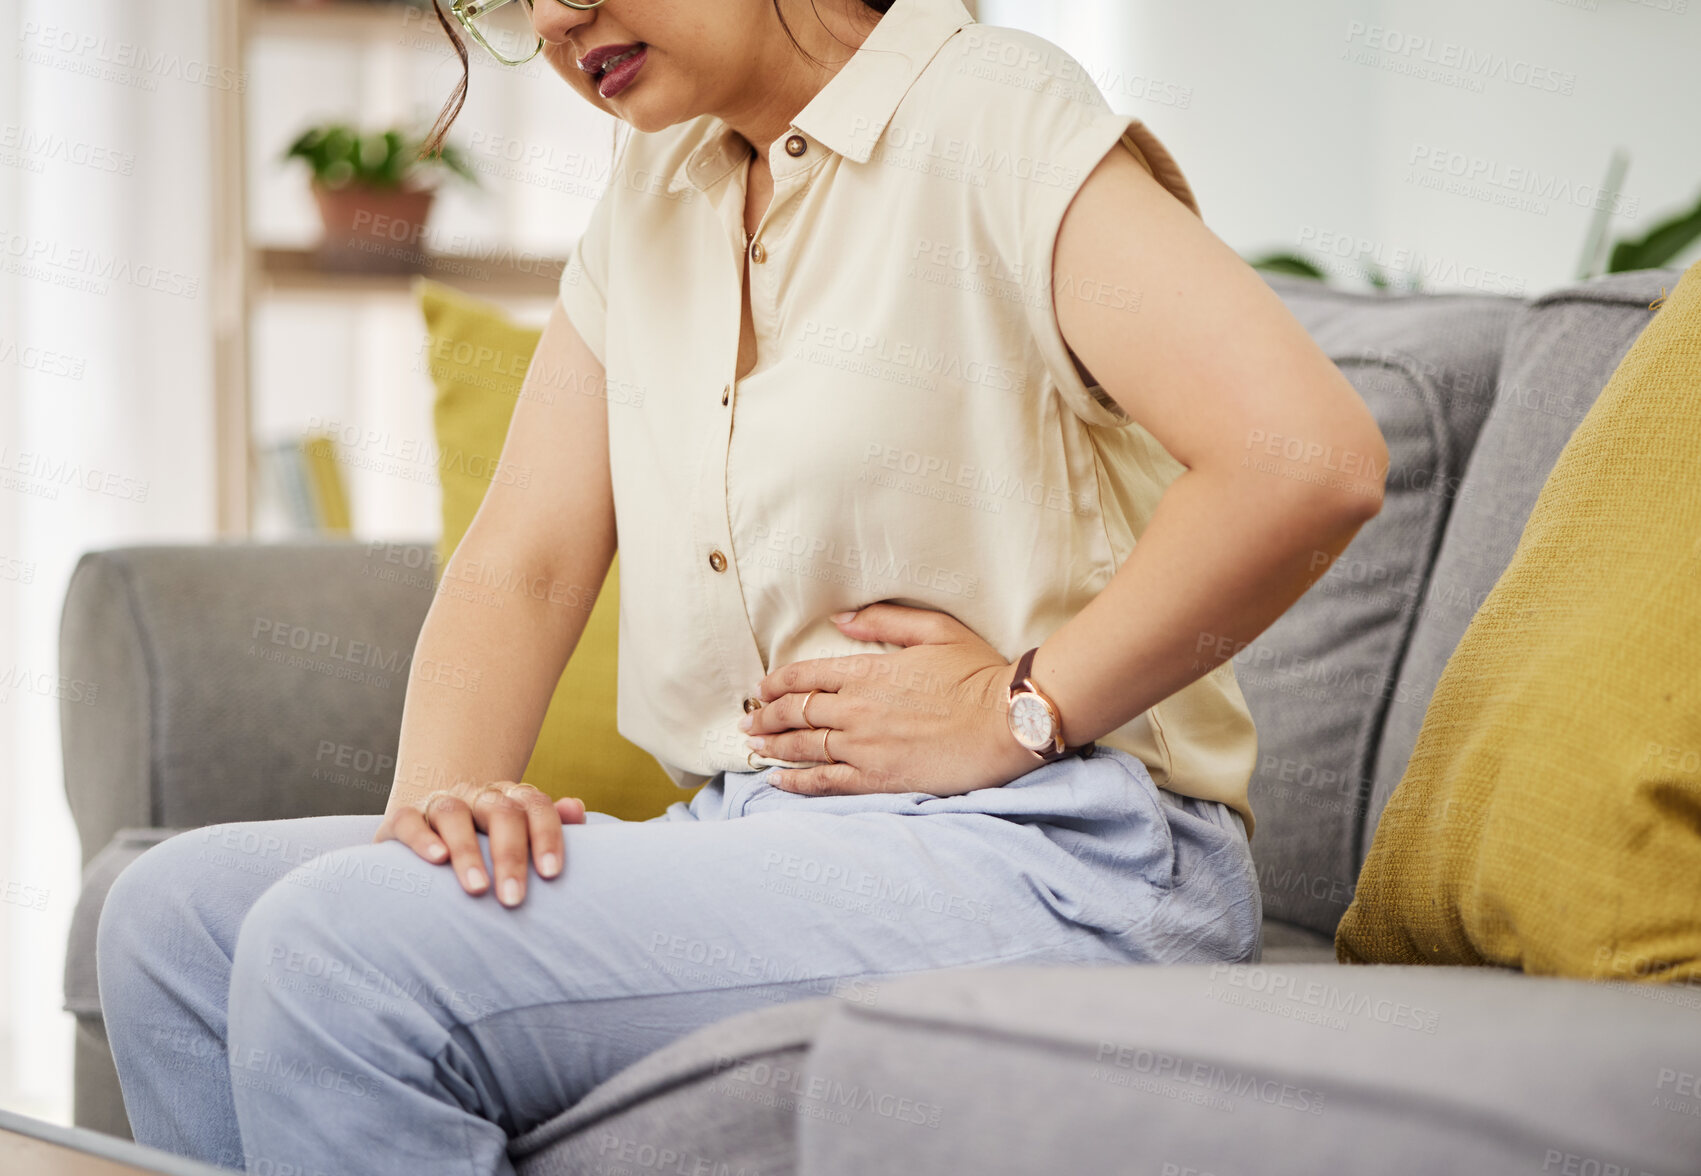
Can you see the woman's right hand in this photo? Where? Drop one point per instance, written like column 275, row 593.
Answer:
column 445, row 825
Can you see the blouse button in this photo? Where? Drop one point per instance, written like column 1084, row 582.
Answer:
column 717, row 561
column 751, row 704
column 796, row 145
column 757, row 253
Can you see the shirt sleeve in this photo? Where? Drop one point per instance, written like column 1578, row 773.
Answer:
column 1079, row 136
column 584, row 281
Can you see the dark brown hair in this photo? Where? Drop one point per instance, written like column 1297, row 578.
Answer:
column 458, row 97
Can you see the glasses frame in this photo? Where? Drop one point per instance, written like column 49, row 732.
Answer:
column 457, row 8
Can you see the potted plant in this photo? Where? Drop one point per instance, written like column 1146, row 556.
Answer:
column 374, row 190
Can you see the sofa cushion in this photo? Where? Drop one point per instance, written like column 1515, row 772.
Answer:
column 1242, row 1069
column 1316, row 681
column 714, row 1101
column 1561, row 351
column 1550, row 817
column 1285, row 943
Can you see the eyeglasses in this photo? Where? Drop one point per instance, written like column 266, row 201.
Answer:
column 504, row 27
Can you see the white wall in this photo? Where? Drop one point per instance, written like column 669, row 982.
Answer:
column 1292, row 145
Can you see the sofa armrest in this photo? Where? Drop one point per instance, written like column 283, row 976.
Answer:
column 235, row 681
column 1237, row 1068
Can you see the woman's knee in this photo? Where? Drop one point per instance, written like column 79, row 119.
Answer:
column 335, row 927
column 157, row 885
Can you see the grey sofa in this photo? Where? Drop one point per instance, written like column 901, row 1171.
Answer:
column 1295, row 1064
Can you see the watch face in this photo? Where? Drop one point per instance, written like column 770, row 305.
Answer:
column 1030, row 722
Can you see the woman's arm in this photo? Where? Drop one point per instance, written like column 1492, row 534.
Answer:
column 540, row 544
column 1285, row 462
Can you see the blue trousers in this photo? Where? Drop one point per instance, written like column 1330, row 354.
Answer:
column 288, row 998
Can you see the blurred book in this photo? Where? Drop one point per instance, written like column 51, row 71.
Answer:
column 306, row 480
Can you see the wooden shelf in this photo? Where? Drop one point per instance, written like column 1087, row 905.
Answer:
column 502, row 274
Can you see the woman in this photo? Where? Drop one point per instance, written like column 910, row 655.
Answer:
column 889, row 355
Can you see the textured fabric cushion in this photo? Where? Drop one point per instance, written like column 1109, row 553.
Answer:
column 715, row 1101
column 234, row 681
column 1244, row 1069
column 1560, row 353
column 1317, row 680
column 478, row 359
column 1286, row 944
column 1550, row 817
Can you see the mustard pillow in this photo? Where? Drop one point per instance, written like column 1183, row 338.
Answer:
column 478, row 358
column 1550, row 816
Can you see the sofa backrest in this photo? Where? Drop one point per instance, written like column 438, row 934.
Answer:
column 1476, row 396
column 1318, row 680
column 1562, row 349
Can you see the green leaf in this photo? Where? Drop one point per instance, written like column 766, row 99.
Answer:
column 1291, row 264
column 1661, row 244
column 339, row 154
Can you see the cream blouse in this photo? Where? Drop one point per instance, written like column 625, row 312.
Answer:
column 914, row 429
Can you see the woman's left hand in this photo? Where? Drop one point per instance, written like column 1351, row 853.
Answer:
column 927, row 718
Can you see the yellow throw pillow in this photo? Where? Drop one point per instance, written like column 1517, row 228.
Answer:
column 478, row 359
column 1550, row 817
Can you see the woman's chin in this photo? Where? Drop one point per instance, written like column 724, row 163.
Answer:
column 640, row 115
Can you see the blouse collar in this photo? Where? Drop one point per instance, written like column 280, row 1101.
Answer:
column 849, row 114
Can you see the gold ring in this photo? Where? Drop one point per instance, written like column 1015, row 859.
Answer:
column 754, row 766
column 826, row 732
column 806, row 699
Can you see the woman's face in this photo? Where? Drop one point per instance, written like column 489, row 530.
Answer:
column 700, row 56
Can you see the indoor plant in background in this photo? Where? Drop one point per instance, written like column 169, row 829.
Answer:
column 374, row 190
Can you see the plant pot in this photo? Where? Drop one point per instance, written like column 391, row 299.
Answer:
column 373, row 230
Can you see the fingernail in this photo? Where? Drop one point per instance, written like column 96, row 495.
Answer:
column 475, row 877
column 548, row 864
column 510, row 891
column 756, row 742
column 842, row 617
column 435, row 851
column 746, row 723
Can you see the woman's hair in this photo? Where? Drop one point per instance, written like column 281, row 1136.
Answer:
column 458, row 97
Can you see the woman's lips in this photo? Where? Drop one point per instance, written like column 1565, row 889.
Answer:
column 620, row 71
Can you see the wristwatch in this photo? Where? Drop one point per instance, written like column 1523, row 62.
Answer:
column 1034, row 719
